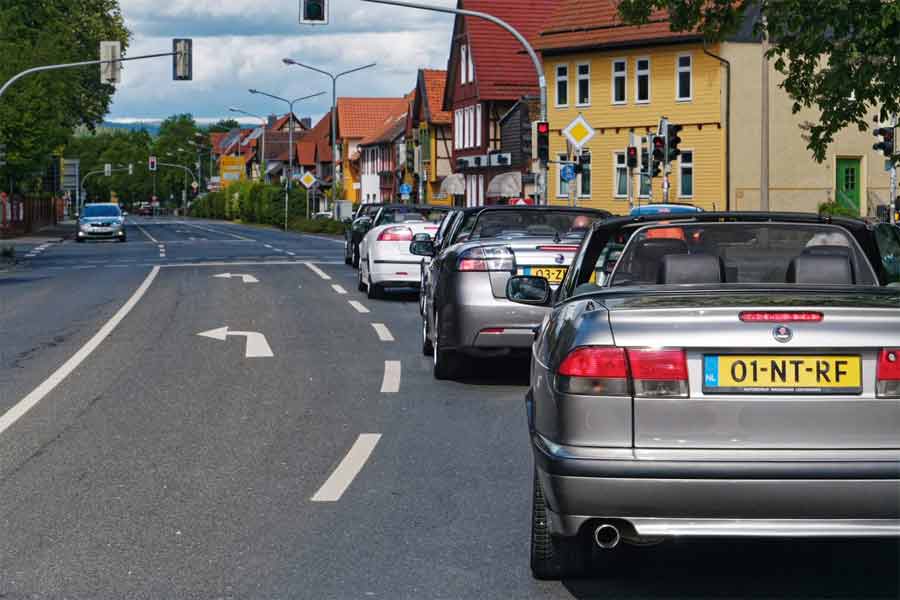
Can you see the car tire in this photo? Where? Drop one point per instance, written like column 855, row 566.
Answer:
column 553, row 557
column 356, row 256
column 359, row 281
column 348, row 259
column 447, row 363
column 427, row 347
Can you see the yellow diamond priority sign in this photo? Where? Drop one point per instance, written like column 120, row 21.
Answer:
column 579, row 132
column 308, row 180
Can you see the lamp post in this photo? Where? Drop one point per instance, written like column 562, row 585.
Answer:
column 290, row 103
column 265, row 122
column 334, row 77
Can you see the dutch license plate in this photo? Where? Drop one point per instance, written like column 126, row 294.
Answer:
column 551, row 274
column 758, row 374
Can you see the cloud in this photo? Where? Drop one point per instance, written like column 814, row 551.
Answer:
column 239, row 45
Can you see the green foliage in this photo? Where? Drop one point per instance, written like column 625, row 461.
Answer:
column 841, row 57
column 223, row 126
column 837, row 210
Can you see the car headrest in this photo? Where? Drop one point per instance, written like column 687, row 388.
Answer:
column 655, row 249
column 828, row 269
column 827, row 251
column 691, row 268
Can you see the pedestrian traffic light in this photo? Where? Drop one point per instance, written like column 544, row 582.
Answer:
column 659, row 148
column 655, row 168
column 632, row 157
column 886, row 145
column 314, row 12
column 182, row 59
column 151, row 164
column 672, row 141
column 542, row 130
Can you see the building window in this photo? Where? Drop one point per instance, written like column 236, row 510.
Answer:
column 619, row 75
column 457, row 129
column 584, row 84
column 642, row 80
column 425, row 144
column 478, row 125
column 562, row 85
column 584, row 180
column 562, row 186
column 621, row 175
column 684, row 79
column 686, row 174
column 463, row 63
column 471, row 70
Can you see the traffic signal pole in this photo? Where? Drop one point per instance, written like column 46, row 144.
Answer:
column 893, row 201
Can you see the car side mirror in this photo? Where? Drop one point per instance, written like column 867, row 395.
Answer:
column 527, row 289
column 422, row 248
column 348, row 221
column 421, row 237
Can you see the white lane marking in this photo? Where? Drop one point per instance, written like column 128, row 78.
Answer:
column 316, row 237
column 240, row 237
column 348, row 469
column 118, row 266
column 257, row 345
column 28, row 402
column 144, row 231
column 359, row 307
column 384, row 334
column 244, row 277
column 292, row 254
column 318, row 271
column 391, row 382
column 339, row 290
column 80, row 267
column 267, row 245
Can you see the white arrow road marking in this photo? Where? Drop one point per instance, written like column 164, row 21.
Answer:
column 339, row 290
column 257, row 345
column 246, row 278
column 358, row 306
column 391, row 382
column 318, row 271
column 384, row 334
column 28, row 402
column 346, row 472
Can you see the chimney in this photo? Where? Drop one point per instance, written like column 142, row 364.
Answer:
column 306, row 122
column 272, row 120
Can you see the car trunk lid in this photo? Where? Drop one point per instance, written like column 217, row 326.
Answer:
column 546, row 258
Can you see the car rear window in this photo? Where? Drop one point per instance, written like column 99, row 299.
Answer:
column 741, row 253
column 509, row 224
column 101, row 211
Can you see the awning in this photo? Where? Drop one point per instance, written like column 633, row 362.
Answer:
column 453, row 185
column 506, row 185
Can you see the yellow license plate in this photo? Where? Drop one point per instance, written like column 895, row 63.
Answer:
column 782, row 374
column 551, row 274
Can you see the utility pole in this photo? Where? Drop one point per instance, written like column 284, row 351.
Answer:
column 893, row 200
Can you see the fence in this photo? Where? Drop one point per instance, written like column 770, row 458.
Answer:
column 20, row 216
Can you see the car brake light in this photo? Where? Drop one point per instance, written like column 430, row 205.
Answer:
column 396, row 234
column 567, row 248
column 780, row 316
column 658, row 373
column 487, row 258
column 887, row 379
column 595, row 371
column 665, row 233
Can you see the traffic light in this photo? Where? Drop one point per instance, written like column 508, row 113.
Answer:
column 659, row 148
column 182, row 59
column 111, row 68
column 314, row 12
column 542, row 129
column 886, row 145
column 672, row 141
column 107, row 170
column 151, row 164
column 655, row 168
column 582, row 161
column 528, row 148
column 632, row 157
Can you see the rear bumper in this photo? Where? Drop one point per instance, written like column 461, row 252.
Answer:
column 833, row 498
column 398, row 273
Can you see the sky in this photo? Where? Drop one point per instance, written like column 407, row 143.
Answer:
column 239, row 44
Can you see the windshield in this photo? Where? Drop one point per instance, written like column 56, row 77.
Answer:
column 741, row 253
column 102, row 210
column 404, row 215
column 510, row 224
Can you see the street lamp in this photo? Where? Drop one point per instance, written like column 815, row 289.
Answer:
column 290, row 104
column 265, row 122
column 334, row 157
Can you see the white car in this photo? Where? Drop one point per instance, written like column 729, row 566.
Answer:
column 385, row 260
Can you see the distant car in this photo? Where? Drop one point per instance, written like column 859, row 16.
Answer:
column 663, row 208
column 101, row 221
column 359, row 225
column 145, row 211
column 323, row 216
column 736, row 375
column 465, row 309
column 385, row 258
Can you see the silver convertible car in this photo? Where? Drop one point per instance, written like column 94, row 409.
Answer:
column 735, row 375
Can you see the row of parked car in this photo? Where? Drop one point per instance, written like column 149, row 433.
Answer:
column 693, row 374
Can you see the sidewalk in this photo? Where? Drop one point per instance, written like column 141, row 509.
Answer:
column 51, row 234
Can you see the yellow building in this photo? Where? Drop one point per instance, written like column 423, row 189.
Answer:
column 623, row 79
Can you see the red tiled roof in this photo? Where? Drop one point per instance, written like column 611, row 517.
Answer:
column 435, row 82
column 320, row 135
column 593, row 23
column 306, row 152
column 215, row 139
column 362, row 117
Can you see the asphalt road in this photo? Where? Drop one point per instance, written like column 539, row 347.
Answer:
column 153, row 462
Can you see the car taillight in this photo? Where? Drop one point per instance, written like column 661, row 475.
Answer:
column 887, row 379
column 780, row 316
column 658, row 373
column 396, row 234
column 612, row 371
column 595, row 371
column 486, row 258
column 560, row 248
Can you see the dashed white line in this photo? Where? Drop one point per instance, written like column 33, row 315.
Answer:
column 267, row 245
column 292, row 254
column 339, row 290
column 144, row 231
column 80, row 267
column 346, row 472
column 359, row 307
column 384, row 334
column 28, row 402
column 391, row 382
column 318, row 271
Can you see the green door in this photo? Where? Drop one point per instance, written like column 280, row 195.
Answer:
column 848, row 183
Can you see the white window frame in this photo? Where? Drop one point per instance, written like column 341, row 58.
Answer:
column 463, row 63
column 616, row 167
column 578, row 79
column 637, row 78
column 457, row 127
column 678, row 71
column 557, row 79
column 624, row 76
column 582, row 193
column 470, row 72
column 478, row 125
column 681, row 166
column 560, row 157
column 480, row 185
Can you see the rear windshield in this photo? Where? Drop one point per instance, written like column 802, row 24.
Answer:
column 403, row 215
column 742, row 253
column 509, row 224
column 101, row 211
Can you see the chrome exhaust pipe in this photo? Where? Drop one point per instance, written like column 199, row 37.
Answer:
column 607, row 536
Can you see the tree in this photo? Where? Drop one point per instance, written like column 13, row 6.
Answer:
column 840, row 56
column 174, row 146
column 223, row 126
column 39, row 112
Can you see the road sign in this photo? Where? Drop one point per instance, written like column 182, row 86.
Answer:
column 567, row 173
column 111, row 71
column 107, row 169
column 308, row 180
column 579, row 132
column 405, row 189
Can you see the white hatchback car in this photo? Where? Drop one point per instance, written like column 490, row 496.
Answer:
column 385, row 260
